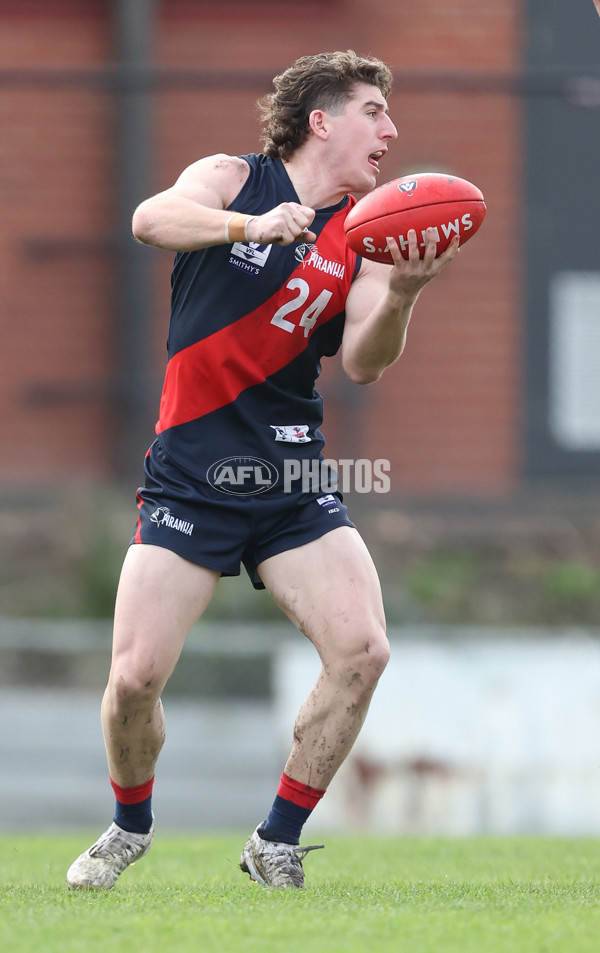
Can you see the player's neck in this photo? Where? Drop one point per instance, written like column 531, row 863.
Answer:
column 314, row 183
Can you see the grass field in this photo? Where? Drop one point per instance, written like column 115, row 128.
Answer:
column 363, row 895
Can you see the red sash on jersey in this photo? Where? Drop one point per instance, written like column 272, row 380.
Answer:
column 213, row 372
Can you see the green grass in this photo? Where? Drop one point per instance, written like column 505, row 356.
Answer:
column 363, row 895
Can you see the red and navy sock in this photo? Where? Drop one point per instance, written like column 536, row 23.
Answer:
column 134, row 807
column 293, row 805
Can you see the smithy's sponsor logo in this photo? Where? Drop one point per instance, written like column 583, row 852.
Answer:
column 249, row 257
column 458, row 226
column 242, row 476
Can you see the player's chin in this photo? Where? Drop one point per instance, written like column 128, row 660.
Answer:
column 367, row 181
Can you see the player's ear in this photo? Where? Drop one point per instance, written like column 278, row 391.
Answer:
column 318, row 123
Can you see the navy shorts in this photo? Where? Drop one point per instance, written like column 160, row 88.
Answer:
column 221, row 531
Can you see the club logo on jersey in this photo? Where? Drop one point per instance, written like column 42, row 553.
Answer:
column 242, row 476
column 303, row 251
column 310, row 256
column 162, row 517
column 249, row 257
column 328, row 267
column 291, row 434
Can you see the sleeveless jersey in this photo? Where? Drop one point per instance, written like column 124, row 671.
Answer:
column 249, row 326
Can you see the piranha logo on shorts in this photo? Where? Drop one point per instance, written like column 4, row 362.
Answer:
column 162, row 517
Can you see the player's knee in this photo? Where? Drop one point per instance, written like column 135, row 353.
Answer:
column 370, row 658
column 133, row 689
column 377, row 654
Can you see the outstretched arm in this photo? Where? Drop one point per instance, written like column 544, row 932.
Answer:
column 196, row 211
column 380, row 304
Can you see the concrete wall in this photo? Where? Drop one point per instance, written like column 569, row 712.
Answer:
column 470, row 732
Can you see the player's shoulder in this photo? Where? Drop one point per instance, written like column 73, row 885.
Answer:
column 213, row 179
column 229, row 163
column 219, row 165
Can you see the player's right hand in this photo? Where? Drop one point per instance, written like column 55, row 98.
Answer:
column 283, row 225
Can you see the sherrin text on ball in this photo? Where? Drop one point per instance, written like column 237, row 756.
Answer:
column 447, row 204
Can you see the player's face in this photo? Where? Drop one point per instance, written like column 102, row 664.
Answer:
column 360, row 137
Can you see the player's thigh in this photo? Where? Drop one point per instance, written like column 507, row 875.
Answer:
column 159, row 598
column 330, row 589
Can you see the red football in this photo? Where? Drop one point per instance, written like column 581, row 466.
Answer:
column 450, row 205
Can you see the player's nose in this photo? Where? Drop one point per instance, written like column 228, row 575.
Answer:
column 389, row 129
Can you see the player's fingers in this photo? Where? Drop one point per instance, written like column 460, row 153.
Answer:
column 394, row 250
column 306, row 236
column 297, row 217
column 288, row 223
column 413, row 245
column 452, row 250
column 301, row 223
column 292, row 235
column 302, row 213
column 287, row 232
column 297, row 220
column 430, row 248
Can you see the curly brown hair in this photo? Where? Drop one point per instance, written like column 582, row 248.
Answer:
column 323, row 81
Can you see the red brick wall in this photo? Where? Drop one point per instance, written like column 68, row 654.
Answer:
column 447, row 416
column 55, row 188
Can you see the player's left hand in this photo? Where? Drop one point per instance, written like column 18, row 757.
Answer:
column 407, row 277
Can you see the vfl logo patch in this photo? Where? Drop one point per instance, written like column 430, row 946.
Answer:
column 162, row 517
column 249, row 257
column 291, row 434
column 408, row 187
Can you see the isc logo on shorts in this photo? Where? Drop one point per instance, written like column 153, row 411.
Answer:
column 329, row 502
column 242, row 476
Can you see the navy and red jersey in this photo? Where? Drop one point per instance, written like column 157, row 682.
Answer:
column 249, row 326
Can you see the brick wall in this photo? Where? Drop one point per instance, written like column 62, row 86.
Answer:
column 447, row 416
column 56, row 207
